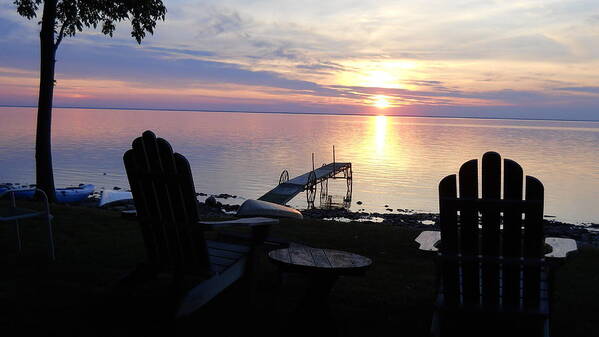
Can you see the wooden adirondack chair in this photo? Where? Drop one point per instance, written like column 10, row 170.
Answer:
column 165, row 199
column 493, row 276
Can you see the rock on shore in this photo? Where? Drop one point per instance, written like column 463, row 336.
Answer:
column 212, row 208
column 430, row 221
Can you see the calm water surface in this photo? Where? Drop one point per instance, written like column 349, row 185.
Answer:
column 397, row 161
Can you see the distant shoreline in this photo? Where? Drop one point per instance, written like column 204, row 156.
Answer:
column 304, row 113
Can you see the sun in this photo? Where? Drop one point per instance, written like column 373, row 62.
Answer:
column 381, row 102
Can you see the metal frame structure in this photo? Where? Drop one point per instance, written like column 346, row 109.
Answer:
column 14, row 213
column 308, row 182
column 284, row 177
column 344, row 169
column 342, row 172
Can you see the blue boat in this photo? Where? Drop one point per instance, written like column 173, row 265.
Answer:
column 20, row 191
column 63, row 195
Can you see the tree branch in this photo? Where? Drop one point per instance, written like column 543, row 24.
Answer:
column 60, row 36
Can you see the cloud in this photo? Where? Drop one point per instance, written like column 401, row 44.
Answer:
column 535, row 46
column 182, row 51
column 217, row 21
column 591, row 90
column 320, row 66
column 593, row 19
column 159, row 69
column 312, row 53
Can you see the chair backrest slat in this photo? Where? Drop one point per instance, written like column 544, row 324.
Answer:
column 533, row 219
column 186, row 207
column 469, row 232
column 142, row 203
column 448, row 214
column 490, row 265
column 164, row 195
column 167, row 248
column 469, row 217
column 449, row 244
column 512, row 218
column 491, row 189
column 490, row 223
column 512, row 232
column 533, row 242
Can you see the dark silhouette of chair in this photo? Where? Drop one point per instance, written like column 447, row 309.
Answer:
column 14, row 213
column 493, row 277
column 165, row 199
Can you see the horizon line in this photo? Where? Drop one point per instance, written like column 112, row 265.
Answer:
column 302, row 113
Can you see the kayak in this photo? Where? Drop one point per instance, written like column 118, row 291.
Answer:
column 74, row 194
column 113, row 196
column 63, row 195
column 20, row 191
column 260, row 208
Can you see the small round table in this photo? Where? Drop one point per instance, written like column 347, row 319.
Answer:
column 322, row 265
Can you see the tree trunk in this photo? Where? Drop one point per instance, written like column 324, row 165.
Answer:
column 43, row 148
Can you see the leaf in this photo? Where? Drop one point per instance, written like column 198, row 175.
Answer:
column 75, row 15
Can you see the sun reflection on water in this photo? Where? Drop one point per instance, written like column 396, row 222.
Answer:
column 380, row 133
column 382, row 146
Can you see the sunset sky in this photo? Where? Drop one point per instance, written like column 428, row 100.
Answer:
column 526, row 59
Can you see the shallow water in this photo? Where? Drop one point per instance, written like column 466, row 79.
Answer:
column 397, row 161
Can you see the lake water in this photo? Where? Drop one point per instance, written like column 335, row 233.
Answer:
column 397, row 161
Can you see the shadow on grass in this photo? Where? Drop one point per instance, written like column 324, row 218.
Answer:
column 73, row 296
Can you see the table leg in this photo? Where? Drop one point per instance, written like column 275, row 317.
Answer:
column 317, row 294
column 50, row 238
column 18, row 230
column 313, row 312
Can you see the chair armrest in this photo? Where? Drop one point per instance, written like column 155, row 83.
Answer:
column 428, row 240
column 38, row 191
column 45, row 199
column 260, row 226
column 560, row 247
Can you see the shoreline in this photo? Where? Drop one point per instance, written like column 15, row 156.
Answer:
column 429, row 221
column 405, row 218
column 212, row 208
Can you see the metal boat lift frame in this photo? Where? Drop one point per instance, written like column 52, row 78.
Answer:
column 308, row 182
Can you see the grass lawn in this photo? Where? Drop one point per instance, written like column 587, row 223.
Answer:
column 72, row 296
